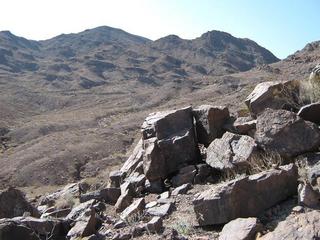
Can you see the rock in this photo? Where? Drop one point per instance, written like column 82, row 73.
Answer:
column 274, row 95
column 169, row 142
column 136, row 208
column 12, row 231
column 209, row 122
column 59, row 213
column 307, row 196
column 161, row 211
column 245, row 197
column 232, row 151
column 298, row 209
column 31, row 227
column 136, row 180
column 133, row 161
column 154, row 225
column 155, row 186
column 245, row 125
column 123, row 201
column 313, row 173
column 85, row 226
column 296, row 226
column 120, row 224
column 205, row 173
column 110, row 195
column 286, row 133
column 164, row 195
column 116, row 178
column 185, row 175
column 90, row 195
column 122, row 236
column 310, row 113
column 241, row 229
column 70, row 190
column 165, row 201
column 183, row 189
column 151, row 204
column 79, row 211
column 13, row 203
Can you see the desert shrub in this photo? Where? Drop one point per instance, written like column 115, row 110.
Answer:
column 183, row 227
column 66, row 201
column 264, row 161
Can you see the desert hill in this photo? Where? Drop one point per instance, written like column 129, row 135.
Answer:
column 72, row 105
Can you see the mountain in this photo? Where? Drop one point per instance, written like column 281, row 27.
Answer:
column 70, row 106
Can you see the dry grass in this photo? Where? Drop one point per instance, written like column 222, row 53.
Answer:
column 66, row 201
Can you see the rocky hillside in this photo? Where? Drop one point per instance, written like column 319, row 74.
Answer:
column 196, row 173
column 72, row 105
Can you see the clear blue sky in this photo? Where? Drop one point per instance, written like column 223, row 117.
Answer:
column 282, row 26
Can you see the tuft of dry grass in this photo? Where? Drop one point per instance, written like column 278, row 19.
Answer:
column 66, row 201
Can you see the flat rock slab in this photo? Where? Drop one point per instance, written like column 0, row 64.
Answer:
column 161, row 211
column 245, row 197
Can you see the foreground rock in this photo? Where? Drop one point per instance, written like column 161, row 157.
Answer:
column 31, row 228
column 13, row 204
column 209, row 122
column 274, row 95
column 297, row 226
column 168, row 142
column 310, row 112
column 245, row 197
column 286, row 133
column 241, row 229
column 231, row 151
column 307, row 196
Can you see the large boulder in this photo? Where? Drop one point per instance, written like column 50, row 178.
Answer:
column 30, row 228
column 296, row 226
column 286, row 133
column 245, row 197
column 209, row 122
column 13, row 204
column 275, row 95
column 310, row 113
column 232, row 151
column 168, row 142
column 241, row 229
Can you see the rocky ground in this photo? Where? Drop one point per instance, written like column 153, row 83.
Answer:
column 196, row 173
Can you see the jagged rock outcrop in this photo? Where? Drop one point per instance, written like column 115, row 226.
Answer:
column 209, row 122
column 285, row 133
column 13, row 204
column 232, row 151
column 169, row 142
column 245, row 197
column 275, row 95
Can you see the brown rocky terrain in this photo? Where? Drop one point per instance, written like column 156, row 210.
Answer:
column 196, row 173
column 221, row 137
column 72, row 105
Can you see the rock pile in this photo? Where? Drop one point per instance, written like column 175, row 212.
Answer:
column 181, row 150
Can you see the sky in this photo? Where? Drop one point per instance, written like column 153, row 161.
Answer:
column 282, row 26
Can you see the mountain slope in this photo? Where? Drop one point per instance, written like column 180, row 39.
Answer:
column 76, row 109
